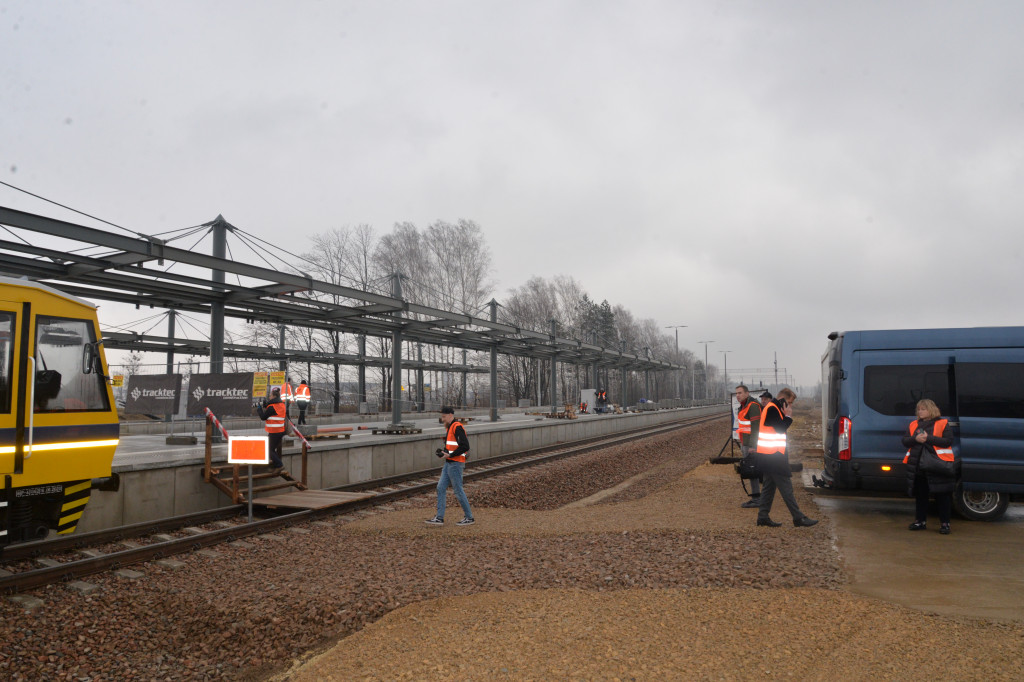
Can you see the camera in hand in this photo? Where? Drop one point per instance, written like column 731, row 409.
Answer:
column 439, row 452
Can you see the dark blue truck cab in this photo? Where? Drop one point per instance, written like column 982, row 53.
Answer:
column 871, row 382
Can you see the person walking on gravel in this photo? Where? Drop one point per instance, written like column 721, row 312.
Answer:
column 456, row 446
column 748, row 419
column 772, row 460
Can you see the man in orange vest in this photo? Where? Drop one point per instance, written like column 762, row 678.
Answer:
column 748, row 422
column 776, row 418
column 273, row 414
column 456, row 445
column 287, row 395
column 302, row 396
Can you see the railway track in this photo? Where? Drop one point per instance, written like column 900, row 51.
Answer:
column 153, row 546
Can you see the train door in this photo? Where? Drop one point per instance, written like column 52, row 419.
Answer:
column 13, row 384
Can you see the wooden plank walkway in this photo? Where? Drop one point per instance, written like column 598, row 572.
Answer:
column 310, row 499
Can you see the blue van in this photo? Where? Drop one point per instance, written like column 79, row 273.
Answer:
column 871, row 382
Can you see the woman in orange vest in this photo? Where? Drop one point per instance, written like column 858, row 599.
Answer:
column 928, row 432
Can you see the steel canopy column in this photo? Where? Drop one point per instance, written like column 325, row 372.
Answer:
column 465, row 363
column 494, row 365
column 647, row 375
column 554, row 372
column 283, row 364
column 396, row 357
column 420, row 394
column 170, row 351
column 220, row 241
column 362, row 372
column 622, row 369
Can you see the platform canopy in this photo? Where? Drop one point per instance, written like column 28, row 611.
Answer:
column 126, row 271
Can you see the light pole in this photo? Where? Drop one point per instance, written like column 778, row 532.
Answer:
column 725, row 369
column 677, row 327
column 705, row 367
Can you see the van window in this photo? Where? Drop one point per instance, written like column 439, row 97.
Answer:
column 834, row 377
column 6, row 360
column 895, row 389
column 990, row 389
column 60, row 385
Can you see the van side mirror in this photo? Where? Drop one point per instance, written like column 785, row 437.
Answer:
column 91, row 357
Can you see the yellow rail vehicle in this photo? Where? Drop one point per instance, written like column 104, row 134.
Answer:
column 58, row 420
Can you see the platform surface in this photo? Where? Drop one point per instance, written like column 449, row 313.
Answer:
column 310, row 499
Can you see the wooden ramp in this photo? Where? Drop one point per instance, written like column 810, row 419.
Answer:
column 310, row 499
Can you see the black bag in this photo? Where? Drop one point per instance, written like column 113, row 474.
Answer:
column 747, row 468
column 930, row 463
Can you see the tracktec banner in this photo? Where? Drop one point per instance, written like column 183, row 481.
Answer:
column 153, row 394
column 227, row 395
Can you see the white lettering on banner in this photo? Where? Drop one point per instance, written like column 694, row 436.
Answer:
column 231, row 393
column 153, row 393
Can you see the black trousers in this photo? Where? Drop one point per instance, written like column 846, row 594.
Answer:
column 302, row 413
column 944, row 501
column 275, row 449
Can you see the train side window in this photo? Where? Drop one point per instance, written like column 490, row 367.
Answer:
column 895, row 389
column 61, row 386
column 6, row 360
column 990, row 389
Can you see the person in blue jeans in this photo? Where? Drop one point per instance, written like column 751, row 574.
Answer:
column 456, row 447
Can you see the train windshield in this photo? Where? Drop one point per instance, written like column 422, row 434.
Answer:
column 60, row 384
column 6, row 360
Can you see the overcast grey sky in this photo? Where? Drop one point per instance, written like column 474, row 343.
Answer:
column 764, row 172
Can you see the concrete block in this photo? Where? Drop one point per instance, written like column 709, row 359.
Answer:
column 404, row 458
column 423, row 454
column 384, row 460
column 129, row 574
column 83, row 587
column 360, row 464
column 182, row 440
column 333, row 468
column 170, row 564
column 105, row 510
column 25, row 601
column 193, row 494
column 314, row 470
column 149, row 495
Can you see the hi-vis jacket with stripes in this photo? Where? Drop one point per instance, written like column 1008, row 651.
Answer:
column 456, row 443
column 772, row 441
column 274, row 415
column 944, row 453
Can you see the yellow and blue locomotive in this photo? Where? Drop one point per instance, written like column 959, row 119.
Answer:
column 58, row 420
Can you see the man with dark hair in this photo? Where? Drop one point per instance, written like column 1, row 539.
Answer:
column 456, row 446
column 773, row 461
column 748, row 421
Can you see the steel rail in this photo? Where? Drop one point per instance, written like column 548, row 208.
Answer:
column 73, row 570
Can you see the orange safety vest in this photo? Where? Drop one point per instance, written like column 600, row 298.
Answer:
column 769, row 441
column 742, row 423
column 275, row 422
column 286, row 393
column 302, row 394
column 451, row 444
column 945, row 454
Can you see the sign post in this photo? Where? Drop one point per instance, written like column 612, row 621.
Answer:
column 248, row 450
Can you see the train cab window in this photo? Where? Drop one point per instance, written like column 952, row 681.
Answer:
column 60, row 384
column 989, row 389
column 895, row 389
column 6, row 360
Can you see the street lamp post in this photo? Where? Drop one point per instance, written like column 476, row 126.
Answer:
column 705, row 367
column 725, row 369
column 677, row 327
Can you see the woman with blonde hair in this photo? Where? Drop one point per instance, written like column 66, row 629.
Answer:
column 928, row 444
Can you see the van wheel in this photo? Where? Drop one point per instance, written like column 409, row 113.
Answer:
column 975, row 505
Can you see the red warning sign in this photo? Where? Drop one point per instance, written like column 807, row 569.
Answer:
column 248, row 450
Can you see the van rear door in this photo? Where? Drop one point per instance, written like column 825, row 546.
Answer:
column 990, row 402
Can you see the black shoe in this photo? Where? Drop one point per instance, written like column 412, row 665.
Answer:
column 752, row 503
column 768, row 522
column 804, row 522
column 918, row 525
column 944, row 529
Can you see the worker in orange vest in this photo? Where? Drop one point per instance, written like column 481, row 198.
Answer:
column 456, row 445
column 287, row 394
column 748, row 420
column 274, row 413
column 773, row 462
column 302, row 397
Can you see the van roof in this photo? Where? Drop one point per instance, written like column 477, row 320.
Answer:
column 963, row 337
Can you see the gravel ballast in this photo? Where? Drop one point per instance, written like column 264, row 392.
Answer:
column 671, row 546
